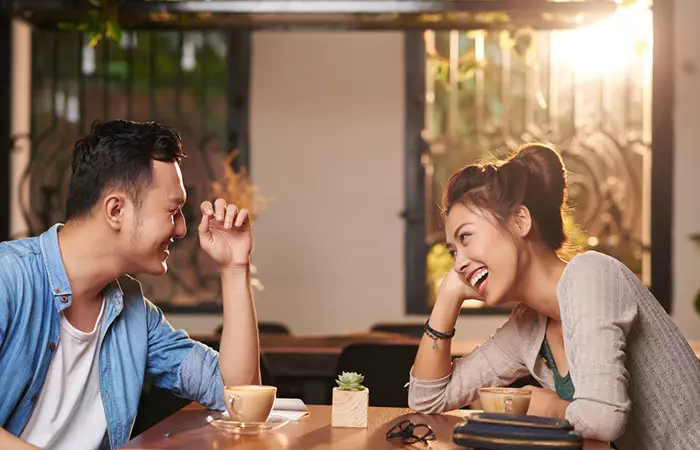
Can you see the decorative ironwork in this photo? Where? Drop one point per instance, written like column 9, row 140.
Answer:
column 587, row 92
column 179, row 78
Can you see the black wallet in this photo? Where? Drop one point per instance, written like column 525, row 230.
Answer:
column 497, row 431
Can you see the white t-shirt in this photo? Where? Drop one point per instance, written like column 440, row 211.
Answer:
column 69, row 412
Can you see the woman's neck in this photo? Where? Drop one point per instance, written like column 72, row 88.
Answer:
column 538, row 284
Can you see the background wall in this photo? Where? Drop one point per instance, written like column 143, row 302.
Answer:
column 327, row 125
column 686, row 205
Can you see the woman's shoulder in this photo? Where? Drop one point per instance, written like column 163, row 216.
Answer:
column 525, row 320
column 599, row 279
column 594, row 258
column 592, row 263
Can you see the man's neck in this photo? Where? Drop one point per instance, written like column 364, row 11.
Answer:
column 89, row 262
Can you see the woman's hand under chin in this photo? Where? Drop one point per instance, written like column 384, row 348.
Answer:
column 454, row 290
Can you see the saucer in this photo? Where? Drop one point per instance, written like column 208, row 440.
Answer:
column 224, row 423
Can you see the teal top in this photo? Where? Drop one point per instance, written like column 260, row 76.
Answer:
column 563, row 385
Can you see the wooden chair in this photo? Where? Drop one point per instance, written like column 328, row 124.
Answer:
column 263, row 327
column 414, row 330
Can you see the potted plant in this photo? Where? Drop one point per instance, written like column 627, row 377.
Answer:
column 350, row 401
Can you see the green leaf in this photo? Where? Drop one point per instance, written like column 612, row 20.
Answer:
column 95, row 38
column 114, row 30
column 697, row 302
column 350, row 381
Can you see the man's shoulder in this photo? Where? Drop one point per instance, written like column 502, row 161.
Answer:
column 11, row 251
column 132, row 292
column 20, row 259
column 21, row 270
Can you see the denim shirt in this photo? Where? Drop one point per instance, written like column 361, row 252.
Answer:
column 137, row 341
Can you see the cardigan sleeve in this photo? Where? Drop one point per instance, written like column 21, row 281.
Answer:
column 497, row 362
column 598, row 310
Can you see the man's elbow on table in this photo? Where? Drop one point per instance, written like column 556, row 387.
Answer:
column 595, row 421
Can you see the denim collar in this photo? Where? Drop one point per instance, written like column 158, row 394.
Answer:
column 58, row 280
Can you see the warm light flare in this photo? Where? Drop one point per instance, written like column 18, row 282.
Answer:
column 608, row 46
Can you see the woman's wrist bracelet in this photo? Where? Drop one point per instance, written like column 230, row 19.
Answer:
column 437, row 335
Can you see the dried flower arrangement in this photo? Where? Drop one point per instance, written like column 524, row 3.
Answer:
column 237, row 188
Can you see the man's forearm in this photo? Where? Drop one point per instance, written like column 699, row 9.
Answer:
column 239, row 358
column 9, row 441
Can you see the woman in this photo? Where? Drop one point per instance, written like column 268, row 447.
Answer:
column 620, row 369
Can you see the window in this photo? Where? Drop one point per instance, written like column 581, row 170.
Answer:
column 586, row 91
column 186, row 79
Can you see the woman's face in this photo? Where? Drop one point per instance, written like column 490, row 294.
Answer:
column 485, row 255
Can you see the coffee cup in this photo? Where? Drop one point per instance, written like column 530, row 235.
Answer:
column 250, row 403
column 504, row 400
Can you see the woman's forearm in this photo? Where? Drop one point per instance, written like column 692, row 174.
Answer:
column 434, row 358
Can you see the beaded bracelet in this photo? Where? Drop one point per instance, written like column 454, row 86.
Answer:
column 437, row 335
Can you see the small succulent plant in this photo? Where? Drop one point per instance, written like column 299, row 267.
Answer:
column 350, row 381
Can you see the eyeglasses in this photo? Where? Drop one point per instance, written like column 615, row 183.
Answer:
column 411, row 433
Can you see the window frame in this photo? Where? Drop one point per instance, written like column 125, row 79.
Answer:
column 414, row 215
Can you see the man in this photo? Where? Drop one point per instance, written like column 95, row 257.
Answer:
column 77, row 337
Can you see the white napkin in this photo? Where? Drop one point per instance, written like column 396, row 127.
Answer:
column 291, row 408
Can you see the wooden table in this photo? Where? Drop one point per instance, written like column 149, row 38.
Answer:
column 305, row 366
column 313, row 432
column 271, row 344
column 334, row 345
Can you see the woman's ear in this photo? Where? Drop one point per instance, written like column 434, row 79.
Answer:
column 521, row 221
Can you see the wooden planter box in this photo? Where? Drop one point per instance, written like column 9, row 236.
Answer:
column 350, row 408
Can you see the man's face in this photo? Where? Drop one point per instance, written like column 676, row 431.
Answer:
column 154, row 224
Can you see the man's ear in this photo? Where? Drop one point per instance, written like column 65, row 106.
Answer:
column 521, row 221
column 114, row 205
